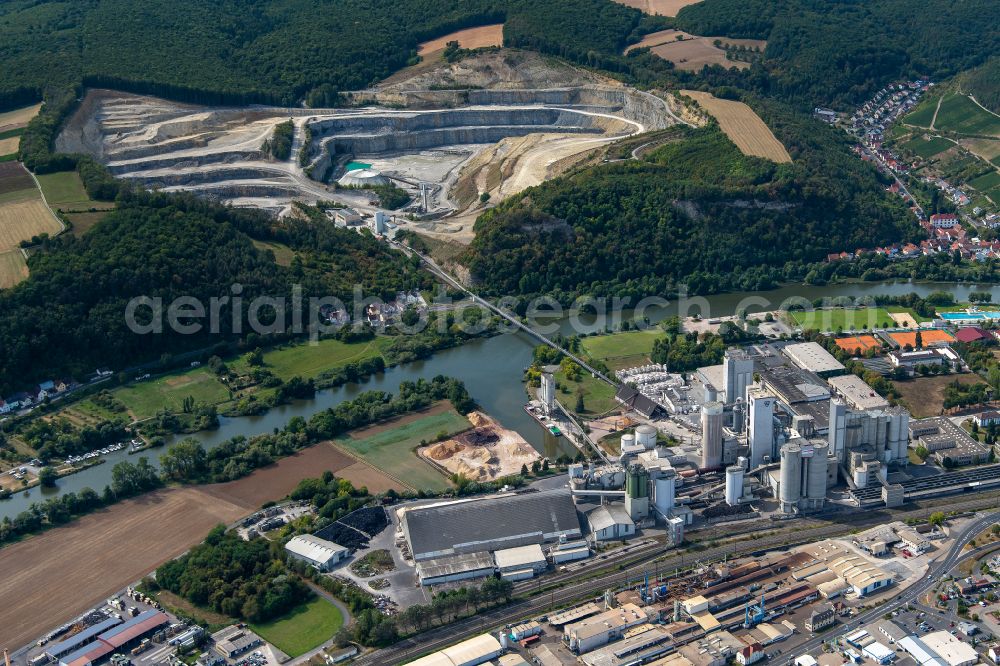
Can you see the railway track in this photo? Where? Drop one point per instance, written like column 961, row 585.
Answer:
column 441, row 637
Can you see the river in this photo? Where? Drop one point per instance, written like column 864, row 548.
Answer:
column 492, row 371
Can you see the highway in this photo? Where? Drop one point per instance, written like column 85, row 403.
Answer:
column 913, row 592
column 441, row 637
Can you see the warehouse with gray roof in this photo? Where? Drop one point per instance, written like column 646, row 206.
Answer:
column 489, row 524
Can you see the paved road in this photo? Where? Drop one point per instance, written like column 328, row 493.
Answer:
column 912, row 593
column 442, row 637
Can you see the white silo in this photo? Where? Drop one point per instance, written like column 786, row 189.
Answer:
column 711, row 435
column 816, row 477
column 548, row 392
column 664, row 491
column 860, row 477
column 646, row 435
column 760, row 433
column 899, row 423
column 790, row 477
column 734, row 485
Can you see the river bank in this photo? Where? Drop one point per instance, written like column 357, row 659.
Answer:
column 492, row 371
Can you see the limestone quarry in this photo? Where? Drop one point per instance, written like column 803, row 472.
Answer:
column 487, row 452
column 446, row 133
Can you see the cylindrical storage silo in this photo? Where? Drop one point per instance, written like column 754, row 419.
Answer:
column 739, row 416
column 646, row 435
column 816, row 482
column 734, row 485
column 790, row 475
column 664, row 489
column 860, row 477
column 711, row 435
column 711, row 394
column 628, row 441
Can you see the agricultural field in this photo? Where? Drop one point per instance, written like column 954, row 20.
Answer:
column 690, row 52
column 744, row 127
column 305, row 627
column 622, row 350
column 960, row 114
column 144, row 399
column 923, row 114
column 18, row 118
column 86, row 556
column 84, row 222
column 987, row 149
column 389, row 446
column 658, row 7
column 64, row 190
column 470, row 38
column 9, row 141
column 13, row 268
column 926, row 148
column 986, row 182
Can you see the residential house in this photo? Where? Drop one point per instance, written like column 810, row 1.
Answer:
column 944, row 220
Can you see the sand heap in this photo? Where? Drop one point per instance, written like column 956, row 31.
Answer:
column 486, row 452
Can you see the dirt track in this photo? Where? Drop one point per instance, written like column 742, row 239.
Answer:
column 63, row 572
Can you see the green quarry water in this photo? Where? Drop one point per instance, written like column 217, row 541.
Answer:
column 354, row 166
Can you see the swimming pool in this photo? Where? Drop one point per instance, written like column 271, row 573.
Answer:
column 961, row 316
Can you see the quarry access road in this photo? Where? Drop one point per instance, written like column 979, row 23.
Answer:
column 436, row 639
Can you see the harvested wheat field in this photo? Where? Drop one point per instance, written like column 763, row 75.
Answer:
column 18, row 118
column 20, row 220
column 470, row 38
column 687, row 51
column 102, row 553
column 9, row 146
column 742, row 126
column 13, row 269
column 98, row 555
column 661, row 7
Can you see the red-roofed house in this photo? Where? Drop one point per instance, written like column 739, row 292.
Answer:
column 971, row 334
column 751, row 654
column 944, row 220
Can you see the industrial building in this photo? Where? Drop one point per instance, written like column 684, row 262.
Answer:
column 946, row 440
column 490, row 523
column 737, row 371
column 319, row 553
column 812, row 357
column 116, row 639
column 592, row 632
column 521, row 562
column 802, row 480
column 476, row 650
column 857, row 393
column 760, row 426
column 610, row 521
column 948, row 648
column 450, row 568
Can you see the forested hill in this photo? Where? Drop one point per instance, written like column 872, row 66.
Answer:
column 68, row 317
column 983, row 83
column 837, row 52
column 238, row 51
column 696, row 211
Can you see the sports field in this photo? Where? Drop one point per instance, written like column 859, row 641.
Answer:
column 840, row 319
column 621, row 350
column 960, row 114
column 852, row 343
column 144, row 399
column 926, row 148
column 65, row 190
column 303, row 628
column 309, row 360
column 389, row 446
column 927, row 336
column 470, row 38
column 744, row 127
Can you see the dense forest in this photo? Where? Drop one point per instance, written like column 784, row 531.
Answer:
column 696, row 211
column 823, row 52
column 68, row 318
column 239, row 51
